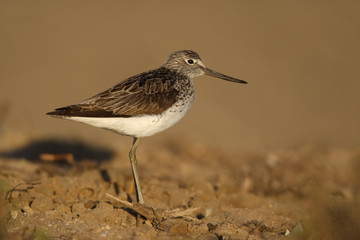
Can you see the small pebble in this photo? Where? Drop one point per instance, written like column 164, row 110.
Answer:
column 14, row 214
column 28, row 210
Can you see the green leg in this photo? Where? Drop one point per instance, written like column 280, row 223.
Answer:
column 133, row 161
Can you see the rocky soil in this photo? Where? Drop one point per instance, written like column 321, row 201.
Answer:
column 62, row 189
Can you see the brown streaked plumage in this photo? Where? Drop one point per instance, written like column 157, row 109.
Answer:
column 149, row 93
column 144, row 104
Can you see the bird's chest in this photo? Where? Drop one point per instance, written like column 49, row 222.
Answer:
column 184, row 99
column 176, row 112
column 179, row 108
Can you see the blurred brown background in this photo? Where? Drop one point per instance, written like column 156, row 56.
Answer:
column 301, row 60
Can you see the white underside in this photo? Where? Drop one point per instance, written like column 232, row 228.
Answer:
column 140, row 126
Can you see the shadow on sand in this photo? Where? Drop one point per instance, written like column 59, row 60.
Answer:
column 78, row 150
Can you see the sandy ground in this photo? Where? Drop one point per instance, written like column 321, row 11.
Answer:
column 62, row 189
column 277, row 158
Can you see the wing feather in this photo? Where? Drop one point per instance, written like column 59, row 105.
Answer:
column 146, row 93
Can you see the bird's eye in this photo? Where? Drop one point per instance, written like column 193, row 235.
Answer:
column 190, row 61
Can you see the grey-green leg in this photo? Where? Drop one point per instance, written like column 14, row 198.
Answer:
column 133, row 161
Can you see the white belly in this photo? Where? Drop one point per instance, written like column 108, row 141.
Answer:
column 140, row 126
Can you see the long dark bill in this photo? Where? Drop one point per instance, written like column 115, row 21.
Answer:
column 213, row 73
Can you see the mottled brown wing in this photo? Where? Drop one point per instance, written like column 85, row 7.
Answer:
column 147, row 93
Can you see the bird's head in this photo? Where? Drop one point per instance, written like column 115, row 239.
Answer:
column 185, row 62
column 188, row 63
